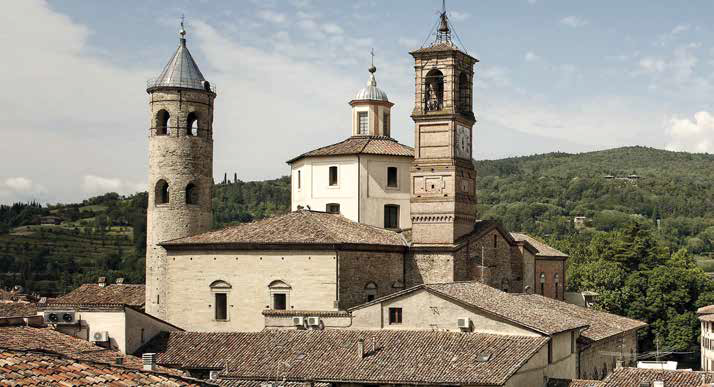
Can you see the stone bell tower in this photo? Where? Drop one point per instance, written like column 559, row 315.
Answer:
column 443, row 198
column 180, row 164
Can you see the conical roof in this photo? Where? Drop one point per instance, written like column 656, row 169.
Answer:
column 181, row 71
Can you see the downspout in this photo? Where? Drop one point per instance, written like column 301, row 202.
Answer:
column 359, row 187
column 337, row 279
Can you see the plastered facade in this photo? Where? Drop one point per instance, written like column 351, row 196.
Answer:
column 598, row 359
column 707, row 345
column 179, row 158
column 361, row 191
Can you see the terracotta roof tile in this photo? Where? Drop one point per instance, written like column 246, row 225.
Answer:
column 398, row 357
column 113, row 294
column 373, row 145
column 632, row 377
column 574, row 383
column 709, row 309
column 601, row 324
column 538, row 316
column 543, row 249
column 298, row 227
column 25, row 338
column 36, row 368
column 17, row 309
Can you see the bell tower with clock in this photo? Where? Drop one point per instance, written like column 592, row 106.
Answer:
column 443, row 178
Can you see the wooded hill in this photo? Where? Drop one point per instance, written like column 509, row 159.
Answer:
column 538, row 194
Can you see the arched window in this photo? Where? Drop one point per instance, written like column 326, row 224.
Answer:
column 464, row 93
column 556, row 280
column 191, row 194
column 192, row 124
column 434, row 91
column 542, row 284
column 220, row 290
column 161, row 195
column 370, row 291
column 279, row 293
column 162, row 123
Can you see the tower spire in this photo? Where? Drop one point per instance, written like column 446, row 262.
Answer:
column 182, row 31
column 372, row 69
column 443, row 34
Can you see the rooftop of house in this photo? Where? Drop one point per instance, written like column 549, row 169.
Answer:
column 709, row 309
column 302, row 227
column 17, row 309
column 629, row 377
column 14, row 336
column 574, row 383
column 390, row 356
column 539, row 317
column 25, row 368
column 542, row 249
column 601, row 325
column 356, row 145
column 100, row 295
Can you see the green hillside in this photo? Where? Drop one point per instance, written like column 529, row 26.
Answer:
column 542, row 194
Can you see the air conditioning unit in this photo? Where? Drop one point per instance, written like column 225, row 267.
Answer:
column 299, row 321
column 464, row 323
column 60, row 317
column 100, row 336
column 313, row 321
column 213, row 375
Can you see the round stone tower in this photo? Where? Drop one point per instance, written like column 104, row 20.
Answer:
column 180, row 164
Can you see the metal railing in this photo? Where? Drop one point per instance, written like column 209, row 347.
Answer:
column 193, row 84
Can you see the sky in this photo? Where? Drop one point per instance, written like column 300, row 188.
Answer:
column 570, row 76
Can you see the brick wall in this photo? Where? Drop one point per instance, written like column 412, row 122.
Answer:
column 550, row 267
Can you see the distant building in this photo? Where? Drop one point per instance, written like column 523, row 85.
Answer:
column 579, row 222
column 51, row 220
column 110, row 315
column 706, row 320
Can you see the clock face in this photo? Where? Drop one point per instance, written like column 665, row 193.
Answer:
column 463, row 142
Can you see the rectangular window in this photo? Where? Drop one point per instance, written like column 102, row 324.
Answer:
column 391, row 216
column 363, row 122
column 333, row 176
column 385, row 119
column 392, row 181
column 221, row 306
column 299, row 180
column 333, row 208
column 280, row 301
column 550, row 351
column 572, row 342
column 395, row 316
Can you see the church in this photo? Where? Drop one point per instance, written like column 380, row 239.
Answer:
column 381, row 236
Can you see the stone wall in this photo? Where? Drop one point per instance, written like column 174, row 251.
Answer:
column 550, row 267
column 424, row 266
column 358, row 268
column 492, row 251
column 598, row 359
column 179, row 159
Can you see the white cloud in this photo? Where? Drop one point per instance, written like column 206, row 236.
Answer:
column 98, row 185
column 272, row 16
column 692, row 135
column 459, row 16
column 21, row 189
column 332, row 28
column 531, row 57
column 677, row 72
column 21, row 184
column 574, row 21
column 679, row 29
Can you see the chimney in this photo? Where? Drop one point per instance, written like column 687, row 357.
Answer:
column 618, row 363
column 149, row 360
column 120, row 280
column 360, row 349
column 102, row 282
